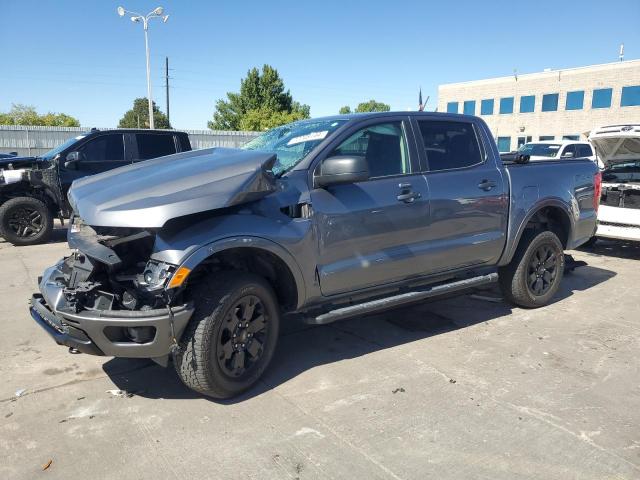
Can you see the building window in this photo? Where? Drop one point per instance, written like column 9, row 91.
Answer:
column 486, row 107
column 571, row 137
column 469, row 107
column 452, row 107
column 550, row 102
column 601, row 98
column 506, row 106
column 542, row 138
column 630, row 96
column 523, row 140
column 504, row 143
column 527, row 103
column 575, row 100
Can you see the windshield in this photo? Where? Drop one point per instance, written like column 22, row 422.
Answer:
column 54, row 151
column 292, row 142
column 549, row 150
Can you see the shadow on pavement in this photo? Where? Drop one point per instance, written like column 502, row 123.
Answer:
column 614, row 248
column 302, row 347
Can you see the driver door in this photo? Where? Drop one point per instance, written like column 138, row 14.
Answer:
column 373, row 232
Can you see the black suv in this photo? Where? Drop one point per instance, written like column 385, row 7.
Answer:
column 33, row 190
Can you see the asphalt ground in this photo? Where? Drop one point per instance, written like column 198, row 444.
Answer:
column 464, row 387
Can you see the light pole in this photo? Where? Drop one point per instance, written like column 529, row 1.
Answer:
column 137, row 18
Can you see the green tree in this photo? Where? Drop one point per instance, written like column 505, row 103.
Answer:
column 138, row 116
column 27, row 115
column 344, row 110
column 372, row 106
column 261, row 103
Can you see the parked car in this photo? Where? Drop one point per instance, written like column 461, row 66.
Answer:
column 8, row 155
column 322, row 219
column 618, row 147
column 33, row 190
column 552, row 150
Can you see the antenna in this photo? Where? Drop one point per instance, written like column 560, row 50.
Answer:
column 621, row 55
column 515, row 74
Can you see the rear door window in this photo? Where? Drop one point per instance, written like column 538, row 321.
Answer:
column 153, row 145
column 569, row 149
column 584, row 151
column 104, row 148
column 449, row 145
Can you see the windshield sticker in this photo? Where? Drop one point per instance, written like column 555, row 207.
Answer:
column 554, row 147
column 308, row 137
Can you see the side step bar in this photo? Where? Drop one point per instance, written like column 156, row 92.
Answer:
column 402, row 299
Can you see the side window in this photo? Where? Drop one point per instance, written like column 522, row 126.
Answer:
column 152, row 146
column 584, row 151
column 569, row 149
column 105, row 148
column 449, row 145
column 383, row 145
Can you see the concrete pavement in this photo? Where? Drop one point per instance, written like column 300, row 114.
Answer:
column 458, row 388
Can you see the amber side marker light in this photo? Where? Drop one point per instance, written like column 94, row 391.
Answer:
column 179, row 277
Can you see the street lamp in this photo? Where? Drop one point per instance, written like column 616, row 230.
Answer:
column 137, row 18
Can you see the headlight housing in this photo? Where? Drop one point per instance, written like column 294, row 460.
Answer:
column 155, row 275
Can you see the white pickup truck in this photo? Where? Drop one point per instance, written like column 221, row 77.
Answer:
column 618, row 148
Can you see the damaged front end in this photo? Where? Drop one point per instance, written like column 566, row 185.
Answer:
column 104, row 300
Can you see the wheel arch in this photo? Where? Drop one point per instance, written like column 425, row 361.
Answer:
column 257, row 255
column 552, row 215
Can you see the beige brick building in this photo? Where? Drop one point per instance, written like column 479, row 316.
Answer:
column 549, row 105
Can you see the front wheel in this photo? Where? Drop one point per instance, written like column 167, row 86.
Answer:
column 232, row 335
column 25, row 221
column 534, row 274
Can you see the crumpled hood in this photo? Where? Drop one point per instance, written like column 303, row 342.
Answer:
column 149, row 193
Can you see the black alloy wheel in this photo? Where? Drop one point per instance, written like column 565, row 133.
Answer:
column 543, row 269
column 25, row 221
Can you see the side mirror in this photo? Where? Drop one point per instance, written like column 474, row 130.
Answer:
column 522, row 158
column 568, row 155
column 342, row 169
column 71, row 158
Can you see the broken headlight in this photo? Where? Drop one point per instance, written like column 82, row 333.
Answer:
column 155, row 275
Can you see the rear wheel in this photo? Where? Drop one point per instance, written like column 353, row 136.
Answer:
column 25, row 221
column 231, row 337
column 534, row 274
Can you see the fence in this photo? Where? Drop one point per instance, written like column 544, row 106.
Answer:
column 32, row 140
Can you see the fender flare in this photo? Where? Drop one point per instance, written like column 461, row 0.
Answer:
column 549, row 202
column 206, row 251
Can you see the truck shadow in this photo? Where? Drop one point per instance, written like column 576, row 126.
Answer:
column 302, row 347
column 614, row 248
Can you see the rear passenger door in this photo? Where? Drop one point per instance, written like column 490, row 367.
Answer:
column 468, row 194
column 153, row 145
column 372, row 232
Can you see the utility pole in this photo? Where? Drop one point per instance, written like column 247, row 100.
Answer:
column 166, row 83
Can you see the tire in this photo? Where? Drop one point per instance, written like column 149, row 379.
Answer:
column 25, row 221
column 530, row 281
column 206, row 359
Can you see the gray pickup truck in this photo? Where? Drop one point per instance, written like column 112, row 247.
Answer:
column 199, row 256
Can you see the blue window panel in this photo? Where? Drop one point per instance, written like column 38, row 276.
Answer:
column 601, row 98
column 630, row 96
column 575, row 100
column 527, row 103
column 550, row 102
column 571, row 137
column 469, row 107
column 506, row 106
column 542, row 138
column 486, row 107
column 452, row 107
column 504, row 144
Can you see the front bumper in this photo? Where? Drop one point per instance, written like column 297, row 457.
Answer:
column 104, row 332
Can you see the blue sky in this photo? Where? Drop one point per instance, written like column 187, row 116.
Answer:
column 80, row 58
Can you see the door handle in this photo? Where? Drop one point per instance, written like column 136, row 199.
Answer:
column 408, row 197
column 486, row 185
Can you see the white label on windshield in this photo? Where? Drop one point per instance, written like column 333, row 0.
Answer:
column 554, row 147
column 308, row 137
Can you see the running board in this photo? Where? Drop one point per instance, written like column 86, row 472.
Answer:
column 402, row 299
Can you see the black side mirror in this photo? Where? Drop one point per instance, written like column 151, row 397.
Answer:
column 522, row 158
column 342, row 169
column 71, row 159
